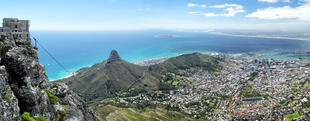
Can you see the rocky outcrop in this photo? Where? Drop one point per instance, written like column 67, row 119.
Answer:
column 9, row 109
column 113, row 56
column 26, row 89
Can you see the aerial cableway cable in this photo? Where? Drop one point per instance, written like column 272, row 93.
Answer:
column 57, row 62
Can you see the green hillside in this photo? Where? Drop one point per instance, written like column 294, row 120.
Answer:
column 187, row 61
column 113, row 113
column 105, row 79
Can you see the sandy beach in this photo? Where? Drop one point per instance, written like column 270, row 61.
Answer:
column 151, row 61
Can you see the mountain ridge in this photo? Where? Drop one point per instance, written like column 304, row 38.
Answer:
column 107, row 77
column 115, row 75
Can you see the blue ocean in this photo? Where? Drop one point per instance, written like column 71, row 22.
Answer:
column 77, row 49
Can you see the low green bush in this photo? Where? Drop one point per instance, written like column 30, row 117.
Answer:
column 40, row 118
column 26, row 117
column 32, row 83
column 175, row 83
column 8, row 98
column 51, row 96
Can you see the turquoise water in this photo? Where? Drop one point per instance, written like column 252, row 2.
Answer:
column 77, row 49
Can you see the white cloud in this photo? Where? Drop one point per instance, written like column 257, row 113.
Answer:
column 194, row 12
column 230, row 10
column 191, row 5
column 203, row 6
column 301, row 12
column 305, row 1
column 196, row 5
column 268, row 1
column 211, row 14
column 275, row 1
column 225, row 5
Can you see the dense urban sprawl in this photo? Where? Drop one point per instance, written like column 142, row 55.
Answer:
column 247, row 88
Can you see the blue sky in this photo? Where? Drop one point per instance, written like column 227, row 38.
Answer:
column 278, row 15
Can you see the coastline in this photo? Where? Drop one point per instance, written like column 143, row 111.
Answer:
column 156, row 60
column 151, row 61
column 259, row 36
column 73, row 73
column 145, row 62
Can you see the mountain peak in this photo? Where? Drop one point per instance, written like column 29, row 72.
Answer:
column 113, row 56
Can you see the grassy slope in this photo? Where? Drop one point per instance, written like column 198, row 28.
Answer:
column 187, row 61
column 112, row 113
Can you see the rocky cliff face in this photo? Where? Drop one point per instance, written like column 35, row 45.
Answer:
column 25, row 89
column 113, row 56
